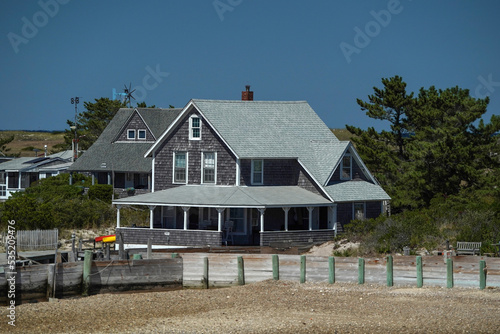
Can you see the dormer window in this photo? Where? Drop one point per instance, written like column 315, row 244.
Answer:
column 141, row 134
column 346, row 167
column 130, row 134
column 194, row 128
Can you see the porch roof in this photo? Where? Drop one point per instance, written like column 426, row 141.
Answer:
column 228, row 196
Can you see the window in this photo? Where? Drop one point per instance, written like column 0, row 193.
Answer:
column 257, row 171
column 2, row 177
column 194, row 128
column 141, row 134
column 3, row 190
column 346, row 168
column 209, row 167
column 180, row 167
column 130, row 134
column 359, row 211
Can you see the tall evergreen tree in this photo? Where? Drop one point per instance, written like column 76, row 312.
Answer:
column 91, row 122
column 434, row 147
column 384, row 151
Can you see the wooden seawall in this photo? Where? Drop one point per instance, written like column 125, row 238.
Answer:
column 206, row 270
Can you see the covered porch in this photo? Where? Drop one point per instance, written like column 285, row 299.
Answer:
column 232, row 215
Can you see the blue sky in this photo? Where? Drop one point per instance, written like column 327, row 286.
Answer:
column 326, row 52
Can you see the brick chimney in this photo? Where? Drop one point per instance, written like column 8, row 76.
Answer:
column 247, row 95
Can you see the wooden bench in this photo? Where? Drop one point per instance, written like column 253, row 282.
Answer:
column 468, row 248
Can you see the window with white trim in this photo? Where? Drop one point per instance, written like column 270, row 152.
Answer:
column 346, row 167
column 130, row 134
column 180, row 167
column 359, row 211
column 257, row 171
column 141, row 134
column 194, row 128
column 209, row 164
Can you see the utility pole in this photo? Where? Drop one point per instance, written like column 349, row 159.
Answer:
column 74, row 147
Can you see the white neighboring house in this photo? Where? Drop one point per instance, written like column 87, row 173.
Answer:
column 18, row 174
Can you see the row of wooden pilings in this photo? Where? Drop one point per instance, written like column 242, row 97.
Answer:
column 331, row 271
column 361, row 271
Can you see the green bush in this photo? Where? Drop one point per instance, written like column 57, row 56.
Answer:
column 102, row 192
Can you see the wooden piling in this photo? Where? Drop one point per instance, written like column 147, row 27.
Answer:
column 121, row 251
column 87, row 265
column 390, row 273
column 482, row 274
column 276, row 267
column 331, row 269
column 361, row 271
column 449, row 273
column 205, row 273
column 302, row 269
column 150, row 249
column 420, row 276
column 241, row 271
column 51, row 272
column 108, row 252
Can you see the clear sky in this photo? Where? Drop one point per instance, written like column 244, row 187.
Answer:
column 326, row 52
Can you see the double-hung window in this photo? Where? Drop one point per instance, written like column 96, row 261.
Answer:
column 194, row 128
column 180, row 167
column 346, row 168
column 130, row 134
column 257, row 171
column 209, row 163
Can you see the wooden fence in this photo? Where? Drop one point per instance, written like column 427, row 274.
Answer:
column 33, row 240
column 206, row 270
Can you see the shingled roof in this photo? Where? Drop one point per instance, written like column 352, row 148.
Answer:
column 107, row 155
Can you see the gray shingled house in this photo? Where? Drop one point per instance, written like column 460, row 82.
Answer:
column 19, row 173
column 117, row 156
column 251, row 173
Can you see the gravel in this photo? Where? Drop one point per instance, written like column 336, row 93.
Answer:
column 268, row 307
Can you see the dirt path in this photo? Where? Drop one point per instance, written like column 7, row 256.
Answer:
column 269, row 307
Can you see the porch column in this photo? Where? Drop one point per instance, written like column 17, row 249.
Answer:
column 261, row 211
column 186, row 211
column 71, row 178
column 310, row 209
column 93, row 178
column 118, row 207
column 151, row 209
column 19, row 182
column 286, row 209
column 220, row 211
column 109, row 178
